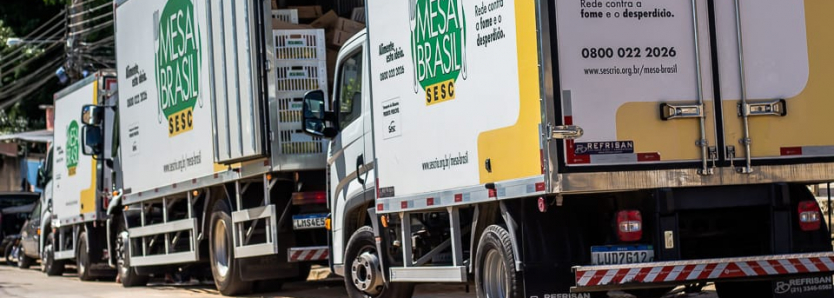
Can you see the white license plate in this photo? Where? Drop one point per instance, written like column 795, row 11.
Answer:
column 621, row 254
column 309, row 221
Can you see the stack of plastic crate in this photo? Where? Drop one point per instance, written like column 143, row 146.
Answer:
column 301, row 66
column 286, row 15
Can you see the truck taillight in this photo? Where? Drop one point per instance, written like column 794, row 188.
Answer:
column 629, row 225
column 310, row 197
column 809, row 216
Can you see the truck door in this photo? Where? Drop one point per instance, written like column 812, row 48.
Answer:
column 635, row 76
column 348, row 162
column 776, row 79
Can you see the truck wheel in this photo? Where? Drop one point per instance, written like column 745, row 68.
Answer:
column 126, row 274
column 51, row 266
column 224, row 267
column 23, row 261
column 363, row 277
column 82, row 259
column 8, row 254
column 495, row 274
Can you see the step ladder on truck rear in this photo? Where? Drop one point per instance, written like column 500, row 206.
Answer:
column 570, row 148
column 214, row 174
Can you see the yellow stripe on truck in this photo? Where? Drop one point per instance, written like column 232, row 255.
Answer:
column 514, row 151
column 88, row 196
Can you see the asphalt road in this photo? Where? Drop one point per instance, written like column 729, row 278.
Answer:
column 32, row 283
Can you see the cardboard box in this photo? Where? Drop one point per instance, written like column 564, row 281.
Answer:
column 308, row 12
column 274, row 4
column 326, row 21
column 278, row 24
column 331, row 66
column 358, row 15
column 349, row 26
column 336, row 38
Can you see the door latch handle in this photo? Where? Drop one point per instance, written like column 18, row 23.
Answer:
column 568, row 132
column 360, row 162
column 669, row 112
column 777, row 107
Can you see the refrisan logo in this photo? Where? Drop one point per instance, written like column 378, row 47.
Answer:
column 178, row 61
column 72, row 148
column 438, row 44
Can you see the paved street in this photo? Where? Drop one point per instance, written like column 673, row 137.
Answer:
column 32, row 283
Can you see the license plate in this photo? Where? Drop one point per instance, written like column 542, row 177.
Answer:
column 308, row 221
column 621, row 254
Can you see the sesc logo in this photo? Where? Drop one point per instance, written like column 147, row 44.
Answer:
column 72, row 147
column 178, row 62
column 438, row 36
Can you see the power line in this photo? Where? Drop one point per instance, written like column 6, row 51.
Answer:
column 16, row 67
column 92, row 29
column 20, row 47
column 90, row 10
column 26, row 78
column 109, row 14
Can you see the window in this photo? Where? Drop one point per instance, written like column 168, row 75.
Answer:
column 350, row 90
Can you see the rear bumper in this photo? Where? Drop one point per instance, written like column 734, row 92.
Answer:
column 599, row 278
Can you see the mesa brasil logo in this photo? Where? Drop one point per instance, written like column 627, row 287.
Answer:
column 178, row 64
column 438, row 47
column 72, row 147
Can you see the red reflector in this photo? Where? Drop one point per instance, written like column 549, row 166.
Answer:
column 458, row 198
column 310, row 197
column 493, row 193
column 629, row 225
column 653, row 156
column 379, row 207
column 429, row 201
column 809, row 216
column 540, row 186
column 790, row 151
column 404, row 204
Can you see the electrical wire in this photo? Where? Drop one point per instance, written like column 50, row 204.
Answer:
column 90, row 10
column 21, row 82
column 109, row 14
column 92, row 29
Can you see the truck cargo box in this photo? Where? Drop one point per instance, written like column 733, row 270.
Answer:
column 517, row 98
column 74, row 174
column 199, row 94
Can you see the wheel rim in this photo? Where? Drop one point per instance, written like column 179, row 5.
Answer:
column 48, row 254
column 221, row 253
column 495, row 280
column 365, row 272
column 81, row 259
column 121, row 253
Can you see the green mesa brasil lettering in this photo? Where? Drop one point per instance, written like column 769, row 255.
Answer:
column 72, row 148
column 438, row 47
column 178, row 64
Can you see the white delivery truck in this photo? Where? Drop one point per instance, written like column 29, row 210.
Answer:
column 214, row 173
column 76, row 228
column 567, row 148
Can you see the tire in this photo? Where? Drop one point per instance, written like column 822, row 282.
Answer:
column 82, row 259
column 743, row 289
column 8, row 254
column 24, row 261
column 126, row 274
column 51, row 266
column 224, row 267
column 361, row 258
column 303, row 272
column 495, row 274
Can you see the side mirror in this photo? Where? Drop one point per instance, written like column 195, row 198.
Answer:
column 91, row 135
column 39, row 180
column 314, row 116
column 92, row 114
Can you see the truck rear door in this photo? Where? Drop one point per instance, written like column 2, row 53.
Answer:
column 619, row 62
column 785, row 50
column 673, row 84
